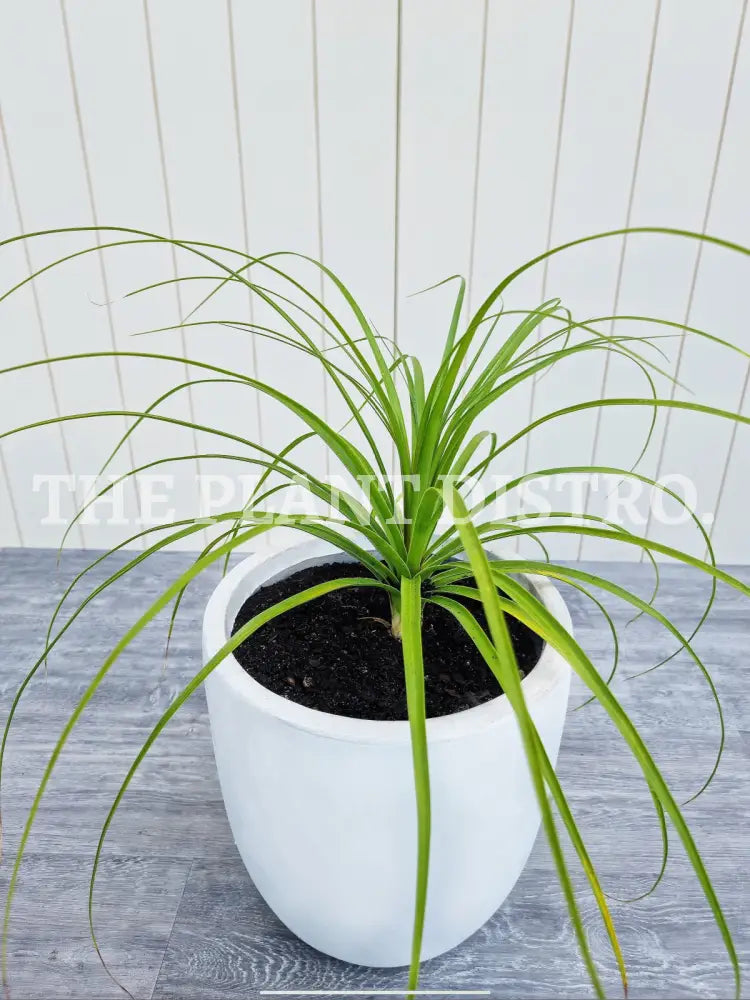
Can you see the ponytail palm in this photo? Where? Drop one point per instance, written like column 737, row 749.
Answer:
column 411, row 447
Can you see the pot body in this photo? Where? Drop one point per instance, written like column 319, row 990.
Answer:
column 322, row 807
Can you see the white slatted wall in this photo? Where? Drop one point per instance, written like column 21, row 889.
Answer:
column 400, row 142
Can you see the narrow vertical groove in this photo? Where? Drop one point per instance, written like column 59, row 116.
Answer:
column 3, row 465
column 730, row 450
column 243, row 200
column 746, row 381
column 558, row 144
column 39, row 318
column 99, row 256
column 397, row 171
column 477, row 158
column 623, row 247
column 699, row 252
column 168, row 208
column 11, row 498
column 397, row 189
column 319, row 196
column 189, row 872
column 550, row 223
column 553, row 198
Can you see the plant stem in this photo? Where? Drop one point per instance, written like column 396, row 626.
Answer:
column 396, row 616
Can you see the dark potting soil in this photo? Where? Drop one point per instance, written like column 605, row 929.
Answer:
column 334, row 655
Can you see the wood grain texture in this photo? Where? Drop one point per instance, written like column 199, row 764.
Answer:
column 178, row 914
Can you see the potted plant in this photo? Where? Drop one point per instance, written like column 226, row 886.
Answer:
column 331, row 668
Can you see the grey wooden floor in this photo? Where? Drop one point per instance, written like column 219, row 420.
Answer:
column 178, row 916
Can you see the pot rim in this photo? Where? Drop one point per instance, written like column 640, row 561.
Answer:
column 262, row 568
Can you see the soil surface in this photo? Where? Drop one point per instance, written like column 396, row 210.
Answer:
column 334, row 655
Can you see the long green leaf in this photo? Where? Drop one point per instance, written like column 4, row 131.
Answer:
column 472, row 628
column 511, row 684
column 411, row 625
column 539, row 618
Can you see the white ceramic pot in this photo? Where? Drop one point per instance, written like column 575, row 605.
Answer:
column 322, row 806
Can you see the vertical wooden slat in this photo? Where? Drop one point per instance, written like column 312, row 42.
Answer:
column 624, row 243
column 243, row 196
column 398, row 68
column 356, row 86
column 558, row 150
column 477, row 159
column 10, row 528
column 192, row 69
column 398, row 71
column 11, row 532
column 440, row 83
column 319, row 203
column 275, row 76
column 530, row 388
column 356, row 90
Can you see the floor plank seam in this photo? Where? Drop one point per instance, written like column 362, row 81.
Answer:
column 152, row 994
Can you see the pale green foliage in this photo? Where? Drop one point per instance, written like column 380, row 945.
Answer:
column 433, row 427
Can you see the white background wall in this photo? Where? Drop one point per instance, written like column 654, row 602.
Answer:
column 400, row 142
